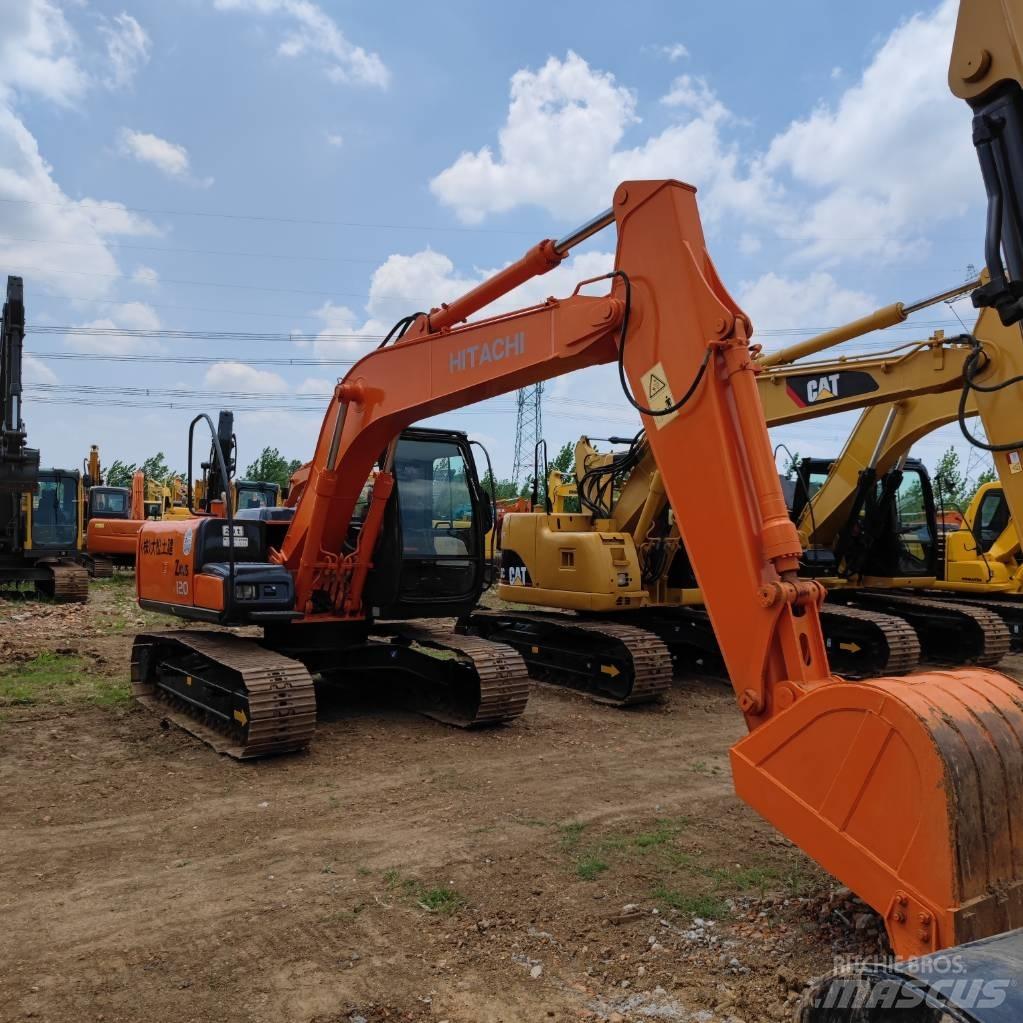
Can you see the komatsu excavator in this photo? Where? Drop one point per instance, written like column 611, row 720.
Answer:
column 337, row 586
column 41, row 510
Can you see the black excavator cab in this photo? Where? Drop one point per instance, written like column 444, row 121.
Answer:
column 256, row 494
column 892, row 527
column 109, row 502
column 430, row 556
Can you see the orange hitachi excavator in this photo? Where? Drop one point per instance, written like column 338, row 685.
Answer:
column 908, row 789
column 823, row 757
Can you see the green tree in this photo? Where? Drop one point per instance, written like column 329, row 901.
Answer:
column 987, row 476
column 120, row 473
column 951, row 486
column 502, row 489
column 156, row 468
column 564, row 460
column 272, row 467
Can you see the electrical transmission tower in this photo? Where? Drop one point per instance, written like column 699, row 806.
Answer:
column 528, row 430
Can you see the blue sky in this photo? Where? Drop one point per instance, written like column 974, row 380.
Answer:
column 283, row 167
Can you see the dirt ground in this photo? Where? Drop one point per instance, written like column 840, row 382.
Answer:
column 583, row 863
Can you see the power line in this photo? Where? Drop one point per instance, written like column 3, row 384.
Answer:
column 290, row 257
column 198, row 335
column 185, row 360
column 84, row 205
column 64, row 272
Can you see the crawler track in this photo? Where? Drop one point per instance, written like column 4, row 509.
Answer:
column 68, row 584
column 241, row 699
column 864, row 644
column 612, row 663
column 99, row 567
column 949, row 632
column 501, row 690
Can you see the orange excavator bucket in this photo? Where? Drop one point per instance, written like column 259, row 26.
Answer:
column 909, row 790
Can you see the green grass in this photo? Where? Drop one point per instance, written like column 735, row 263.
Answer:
column 664, row 831
column 589, row 868
column 46, row 678
column 440, row 900
column 744, row 879
column 702, row 904
column 571, row 834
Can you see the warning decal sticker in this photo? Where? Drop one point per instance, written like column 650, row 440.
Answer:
column 658, row 394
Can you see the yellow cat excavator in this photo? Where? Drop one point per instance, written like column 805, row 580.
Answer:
column 621, row 556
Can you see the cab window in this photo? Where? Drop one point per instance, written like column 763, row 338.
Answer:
column 992, row 519
column 55, row 514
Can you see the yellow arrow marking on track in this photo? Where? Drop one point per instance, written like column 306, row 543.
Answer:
column 853, row 648
column 610, row 669
column 241, row 717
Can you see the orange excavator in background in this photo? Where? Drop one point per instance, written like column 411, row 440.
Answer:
column 908, row 789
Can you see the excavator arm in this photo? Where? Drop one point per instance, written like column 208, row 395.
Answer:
column 986, row 70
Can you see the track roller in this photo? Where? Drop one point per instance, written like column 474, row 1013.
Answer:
column 617, row 664
column 229, row 691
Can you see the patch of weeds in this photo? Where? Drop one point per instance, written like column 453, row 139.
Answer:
column 571, row 834
column 744, row 879
column 110, row 693
column 532, row 822
column 589, row 868
column 363, row 871
column 664, row 831
column 46, row 677
column 440, row 900
column 710, row 907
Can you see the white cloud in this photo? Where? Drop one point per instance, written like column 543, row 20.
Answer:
column 849, row 181
column 167, row 157
column 239, row 376
column 674, row 51
column 836, row 73
column 315, row 32
column 818, row 301
column 864, row 158
column 333, row 139
column 35, row 371
column 128, row 316
column 749, row 244
column 316, row 386
column 559, row 148
column 37, row 52
column 127, row 49
column 145, row 275
column 64, row 234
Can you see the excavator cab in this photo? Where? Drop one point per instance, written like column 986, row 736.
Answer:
column 109, row 502
column 55, row 521
column 256, row 494
column 431, row 553
column 892, row 530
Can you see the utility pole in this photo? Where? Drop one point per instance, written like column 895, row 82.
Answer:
column 528, row 430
